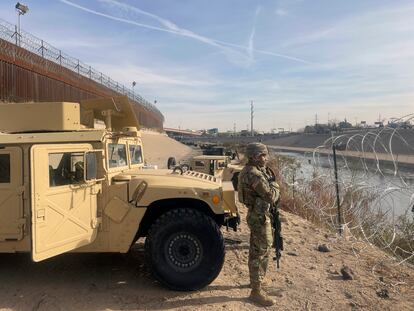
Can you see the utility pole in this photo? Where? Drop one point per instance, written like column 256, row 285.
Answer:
column 316, row 119
column 251, row 117
column 234, row 129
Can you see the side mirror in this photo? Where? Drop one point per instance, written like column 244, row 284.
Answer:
column 91, row 172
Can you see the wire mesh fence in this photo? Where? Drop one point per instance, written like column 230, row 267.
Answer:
column 31, row 43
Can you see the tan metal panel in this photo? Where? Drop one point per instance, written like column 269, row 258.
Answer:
column 11, row 197
column 39, row 117
column 68, row 137
column 64, row 217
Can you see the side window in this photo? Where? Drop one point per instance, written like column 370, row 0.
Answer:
column 4, row 168
column 66, row 168
column 199, row 163
column 135, row 153
column 117, row 155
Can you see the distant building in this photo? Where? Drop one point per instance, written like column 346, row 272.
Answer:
column 344, row 125
column 400, row 124
column 318, row 129
column 213, row 131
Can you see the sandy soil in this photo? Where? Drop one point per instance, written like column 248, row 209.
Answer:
column 307, row 280
column 159, row 147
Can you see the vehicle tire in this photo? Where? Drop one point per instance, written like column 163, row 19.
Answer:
column 235, row 180
column 179, row 169
column 171, row 163
column 185, row 249
column 185, row 167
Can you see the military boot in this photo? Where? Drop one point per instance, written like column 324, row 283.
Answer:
column 260, row 297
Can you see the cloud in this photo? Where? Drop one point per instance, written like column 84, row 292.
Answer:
column 172, row 28
column 379, row 24
column 123, row 71
column 281, row 12
column 364, row 67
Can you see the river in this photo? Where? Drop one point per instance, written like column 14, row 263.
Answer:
column 395, row 187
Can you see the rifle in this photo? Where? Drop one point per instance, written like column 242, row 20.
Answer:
column 276, row 224
column 277, row 233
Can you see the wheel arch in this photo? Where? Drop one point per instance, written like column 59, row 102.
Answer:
column 157, row 208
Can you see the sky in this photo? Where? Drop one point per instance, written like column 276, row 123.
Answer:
column 203, row 62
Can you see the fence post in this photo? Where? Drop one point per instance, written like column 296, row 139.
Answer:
column 338, row 203
column 17, row 35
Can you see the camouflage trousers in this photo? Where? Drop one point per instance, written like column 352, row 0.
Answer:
column 261, row 240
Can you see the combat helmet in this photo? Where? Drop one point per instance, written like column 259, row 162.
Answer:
column 254, row 149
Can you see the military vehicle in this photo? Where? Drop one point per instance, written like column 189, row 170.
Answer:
column 71, row 180
column 221, row 167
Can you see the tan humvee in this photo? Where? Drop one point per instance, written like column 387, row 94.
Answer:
column 66, row 186
column 218, row 166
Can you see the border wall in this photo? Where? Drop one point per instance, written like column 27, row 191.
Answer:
column 39, row 76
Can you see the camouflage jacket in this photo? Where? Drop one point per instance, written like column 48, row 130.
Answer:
column 254, row 182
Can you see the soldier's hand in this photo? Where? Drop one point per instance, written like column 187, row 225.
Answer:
column 275, row 185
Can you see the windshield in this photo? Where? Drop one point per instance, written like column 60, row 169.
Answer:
column 117, row 155
column 135, row 153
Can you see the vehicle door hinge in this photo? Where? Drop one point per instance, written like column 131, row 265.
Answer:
column 22, row 223
column 96, row 189
column 95, row 223
column 20, row 190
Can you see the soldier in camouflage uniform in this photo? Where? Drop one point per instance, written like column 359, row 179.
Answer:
column 258, row 193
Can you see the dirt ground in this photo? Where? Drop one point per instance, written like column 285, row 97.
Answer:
column 307, row 279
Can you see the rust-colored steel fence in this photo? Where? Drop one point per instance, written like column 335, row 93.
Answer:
column 32, row 70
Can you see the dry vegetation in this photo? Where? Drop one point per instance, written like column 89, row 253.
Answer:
column 315, row 200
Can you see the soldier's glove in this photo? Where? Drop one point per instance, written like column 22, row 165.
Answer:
column 271, row 173
column 275, row 185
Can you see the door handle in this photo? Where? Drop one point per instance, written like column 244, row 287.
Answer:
column 41, row 214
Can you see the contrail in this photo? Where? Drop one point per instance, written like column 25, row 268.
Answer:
column 250, row 46
column 183, row 32
column 117, row 18
column 170, row 25
column 174, row 29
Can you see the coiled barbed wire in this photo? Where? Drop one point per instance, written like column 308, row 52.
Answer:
column 376, row 185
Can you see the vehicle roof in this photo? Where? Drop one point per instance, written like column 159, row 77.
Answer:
column 53, row 137
column 209, row 157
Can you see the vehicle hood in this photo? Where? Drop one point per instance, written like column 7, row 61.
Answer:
column 166, row 178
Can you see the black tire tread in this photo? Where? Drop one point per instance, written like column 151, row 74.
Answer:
column 179, row 214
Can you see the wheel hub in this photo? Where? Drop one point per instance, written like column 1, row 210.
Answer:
column 183, row 251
